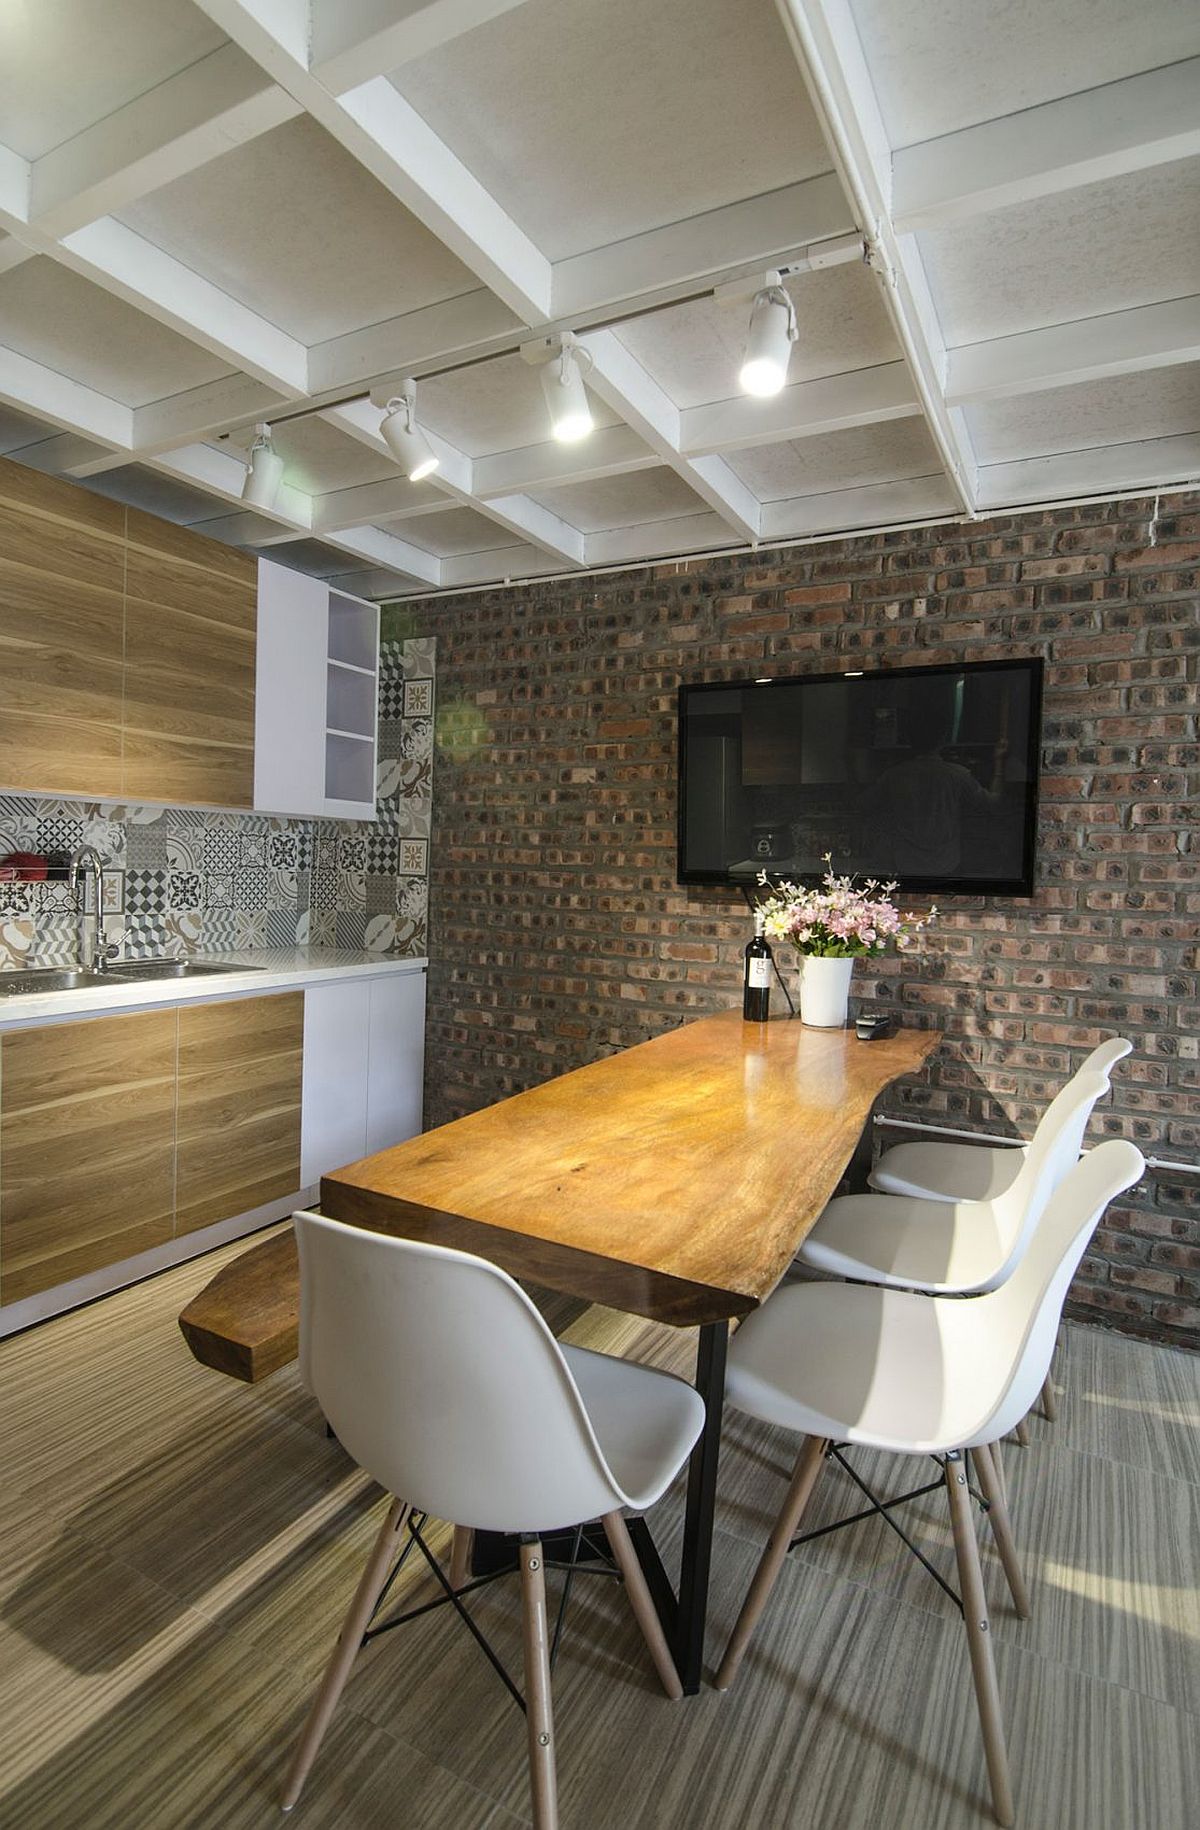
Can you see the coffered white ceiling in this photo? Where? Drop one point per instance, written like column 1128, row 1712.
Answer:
column 217, row 211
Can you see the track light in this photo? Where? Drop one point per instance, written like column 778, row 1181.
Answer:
column 566, row 397
column 264, row 473
column 773, row 330
column 404, row 438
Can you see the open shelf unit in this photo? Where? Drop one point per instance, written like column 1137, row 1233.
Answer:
column 318, row 679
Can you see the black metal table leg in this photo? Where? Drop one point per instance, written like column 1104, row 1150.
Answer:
column 683, row 1617
column 692, row 1610
column 859, row 1167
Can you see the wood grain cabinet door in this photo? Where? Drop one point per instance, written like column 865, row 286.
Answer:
column 62, row 581
column 238, row 1116
column 190, row 616
column 87, row 1141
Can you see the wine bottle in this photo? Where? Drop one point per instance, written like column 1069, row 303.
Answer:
column 756, row 981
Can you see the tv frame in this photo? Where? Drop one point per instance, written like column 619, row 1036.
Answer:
column 1023, row 885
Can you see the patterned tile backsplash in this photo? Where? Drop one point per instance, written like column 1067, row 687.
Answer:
column 181, row 881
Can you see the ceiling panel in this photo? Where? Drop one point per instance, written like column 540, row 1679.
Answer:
column 645, row 495
column 694, row 351
column 67, row 63
column 838, row 460
column 1158, row 403
column 590, row 122
column 17, row 429
column 1130, row 241
column 454, row 531
column 497, row 406
column 53, row 316
column 945, row 64
column 295, row 228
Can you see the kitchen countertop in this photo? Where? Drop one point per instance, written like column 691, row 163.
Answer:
column 264, row 969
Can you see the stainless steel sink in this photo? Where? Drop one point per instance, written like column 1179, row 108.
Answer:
column 33, row 979
column 173, row 969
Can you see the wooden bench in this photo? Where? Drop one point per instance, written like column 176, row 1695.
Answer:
column 246, row 1322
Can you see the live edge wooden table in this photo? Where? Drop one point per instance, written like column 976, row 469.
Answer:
column 675, row 1180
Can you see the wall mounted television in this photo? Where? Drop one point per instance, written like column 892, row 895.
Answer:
column 927, row 775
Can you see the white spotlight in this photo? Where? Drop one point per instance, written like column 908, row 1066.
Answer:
column 405, row 438
column 773, row 330
column 566, row 397
column 264, row 472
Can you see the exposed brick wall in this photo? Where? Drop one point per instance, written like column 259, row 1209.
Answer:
column 559, row 932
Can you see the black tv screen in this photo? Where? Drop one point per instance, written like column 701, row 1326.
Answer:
column 925, row 775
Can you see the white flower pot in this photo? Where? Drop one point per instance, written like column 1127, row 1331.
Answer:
column 824, row 991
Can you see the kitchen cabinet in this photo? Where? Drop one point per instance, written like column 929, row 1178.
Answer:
column 127, row 651
column 318, row 694
column 237, row 1127
column 132, row 1141
column 364, row 1064
column 87, row 1147
column 189, row 716
column 62, row 613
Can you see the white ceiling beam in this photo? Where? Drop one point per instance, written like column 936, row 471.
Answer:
column 389, row 499
column 610, row 451
column 476, row 322
column 70, row 405
column 619, row 379
column 352, row 40
column 1151, row 463
column 182, row 419
column 135, row 270
column 1113, row 343
column 871, row 505
column 1080, row 139
column 648, row 540
column 16, row 180
column 703, row 248
column 540, row 526
column 496, row 565
column 806, row 409
column 219, row 102
column 13, row 253
column 386, row 135
column 825, row 40
column 378, row 547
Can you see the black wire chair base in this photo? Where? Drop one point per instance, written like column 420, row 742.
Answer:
column 877, row 1508
column 581, row 1544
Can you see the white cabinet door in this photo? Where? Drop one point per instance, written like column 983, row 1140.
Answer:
column 396, row 1057
column 333, row 1126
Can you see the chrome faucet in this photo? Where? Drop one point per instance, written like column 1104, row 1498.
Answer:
column 88, row 858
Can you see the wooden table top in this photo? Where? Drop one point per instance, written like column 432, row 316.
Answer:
column 674, row 1180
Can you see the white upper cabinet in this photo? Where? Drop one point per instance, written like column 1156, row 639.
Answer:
column 317, row 698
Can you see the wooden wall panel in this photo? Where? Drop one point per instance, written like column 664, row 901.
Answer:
column 87, row 1123
column 190, row 615
column 238, row 1123
column 62, row 578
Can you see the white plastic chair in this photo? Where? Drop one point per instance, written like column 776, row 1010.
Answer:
column 439, row 1377
column 962, row 1247
column 891, row 1369
column 971, row 1172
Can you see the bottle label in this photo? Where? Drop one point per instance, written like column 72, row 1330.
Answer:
column 758, row 974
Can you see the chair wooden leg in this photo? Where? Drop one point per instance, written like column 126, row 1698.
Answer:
column 538, row 1711
column 804, row 1479
column 383, row 1555
column 1049, row 1401
column 998, row 1519
column 979, row 1637
column 640, row 1600
column 1022, row 1433
column 460, row 1556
